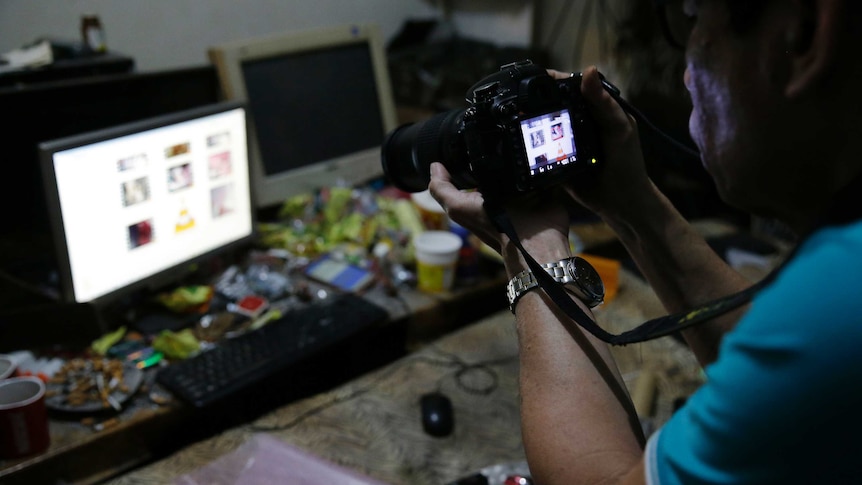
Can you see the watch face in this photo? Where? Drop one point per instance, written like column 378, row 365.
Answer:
column 587, row 278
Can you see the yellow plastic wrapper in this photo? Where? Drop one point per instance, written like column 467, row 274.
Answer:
column 408, row 217
column 105, row 342
column 315, row 224
column 296, row 206
column 337, row 205
column 187, row 299
column 177, row 345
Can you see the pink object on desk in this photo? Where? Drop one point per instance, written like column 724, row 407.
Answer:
column 264, row 459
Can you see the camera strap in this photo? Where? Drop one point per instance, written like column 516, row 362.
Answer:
column 652, row 329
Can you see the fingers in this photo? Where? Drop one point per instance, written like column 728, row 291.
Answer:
column 465, row 208
column 605, row 110
column 458, row 204
column 441, row 187
column 558, row 74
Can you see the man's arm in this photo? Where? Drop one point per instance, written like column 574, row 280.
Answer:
column 676, row 260
column 578, row 422
column 680, row 266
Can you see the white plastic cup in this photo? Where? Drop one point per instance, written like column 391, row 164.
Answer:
column 436, row 260
column 431, row 213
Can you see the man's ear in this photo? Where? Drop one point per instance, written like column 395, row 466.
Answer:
column 813, row 42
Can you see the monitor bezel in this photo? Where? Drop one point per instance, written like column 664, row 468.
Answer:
column 159, row 279
column 350, row 169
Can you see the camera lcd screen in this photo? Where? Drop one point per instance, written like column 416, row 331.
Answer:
column 549, row 141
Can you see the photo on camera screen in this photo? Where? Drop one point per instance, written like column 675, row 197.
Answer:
column 549, row 141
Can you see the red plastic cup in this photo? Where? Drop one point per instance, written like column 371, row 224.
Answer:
column 23, row 417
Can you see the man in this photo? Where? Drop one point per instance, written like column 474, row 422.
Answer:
column 775, row 92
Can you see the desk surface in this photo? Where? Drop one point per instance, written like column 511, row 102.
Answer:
column 371, row 423
column 81, row 453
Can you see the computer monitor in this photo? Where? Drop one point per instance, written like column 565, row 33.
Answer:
column 136, row 205
column 48, row 111
column 320, row 104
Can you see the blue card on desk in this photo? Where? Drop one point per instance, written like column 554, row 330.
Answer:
column 339, row 273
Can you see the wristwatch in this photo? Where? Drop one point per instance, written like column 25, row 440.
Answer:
column 575, row 274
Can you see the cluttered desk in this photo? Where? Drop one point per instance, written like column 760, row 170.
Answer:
column 168, row 281
column 255, row 291
column 355, row 408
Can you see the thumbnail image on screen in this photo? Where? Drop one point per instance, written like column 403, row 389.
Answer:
column 134, row 198
column 549, row 141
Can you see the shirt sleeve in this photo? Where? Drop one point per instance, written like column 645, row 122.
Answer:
column 778, row 395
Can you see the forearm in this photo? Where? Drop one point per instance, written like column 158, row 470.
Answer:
column 679, row 265
column 575, row 409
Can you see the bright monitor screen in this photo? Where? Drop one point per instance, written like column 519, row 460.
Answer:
column 320, row 104
column 139, row 203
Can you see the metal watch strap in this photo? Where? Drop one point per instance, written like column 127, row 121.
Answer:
column 518, row 286
column 559, row 270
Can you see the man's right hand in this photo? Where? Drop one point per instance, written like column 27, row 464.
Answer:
column 623, row 180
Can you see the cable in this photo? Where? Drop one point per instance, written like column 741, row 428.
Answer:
column 463, row 370
column 643, row 119
column 25, row 286
column 615, row 93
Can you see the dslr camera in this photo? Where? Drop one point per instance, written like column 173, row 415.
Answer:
column 522, row 131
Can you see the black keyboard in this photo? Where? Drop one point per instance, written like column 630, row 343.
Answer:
column 240, row 362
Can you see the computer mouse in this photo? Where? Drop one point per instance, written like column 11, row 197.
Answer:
column 438, row 417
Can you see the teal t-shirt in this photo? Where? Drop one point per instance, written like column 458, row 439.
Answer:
column 782, row 402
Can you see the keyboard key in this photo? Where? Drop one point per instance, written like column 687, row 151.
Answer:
column 237, row 363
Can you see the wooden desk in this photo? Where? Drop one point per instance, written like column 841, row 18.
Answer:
column 371, row 423
column 145, row 430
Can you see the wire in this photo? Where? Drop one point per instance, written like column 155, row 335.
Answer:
column 465, row 369
column 25, row 286
column 641, row 118
column 451, row 360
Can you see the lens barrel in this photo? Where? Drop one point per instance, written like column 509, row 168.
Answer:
column 409, row 150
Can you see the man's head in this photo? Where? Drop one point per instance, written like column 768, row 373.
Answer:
column 773, row 85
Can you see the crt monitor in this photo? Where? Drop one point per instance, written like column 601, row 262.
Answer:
column 320, row 105
column 136, row 205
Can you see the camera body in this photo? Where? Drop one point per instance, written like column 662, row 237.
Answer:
column 522, row 131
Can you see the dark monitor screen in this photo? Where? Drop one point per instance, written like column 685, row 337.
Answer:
column 320, row 104
column 313, row 106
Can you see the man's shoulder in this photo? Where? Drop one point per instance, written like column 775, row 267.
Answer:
column 831, row 254
column 819, row 284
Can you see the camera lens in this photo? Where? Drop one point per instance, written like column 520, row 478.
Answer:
column 409, row 150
